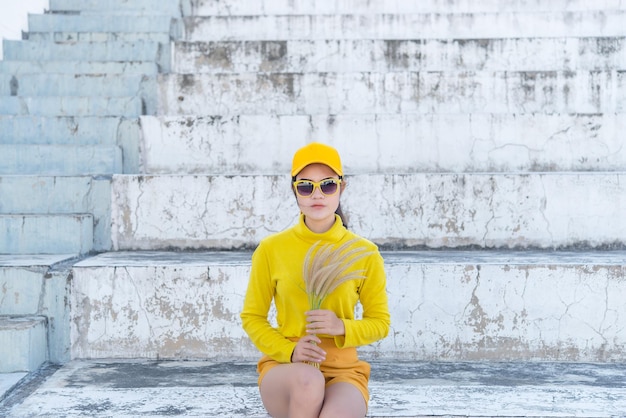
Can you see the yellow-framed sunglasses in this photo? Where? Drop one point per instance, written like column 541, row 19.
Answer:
column 305, row 188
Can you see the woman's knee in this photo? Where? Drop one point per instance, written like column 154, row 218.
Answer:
column 308, row 380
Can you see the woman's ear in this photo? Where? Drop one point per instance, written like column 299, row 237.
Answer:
column 343, row 185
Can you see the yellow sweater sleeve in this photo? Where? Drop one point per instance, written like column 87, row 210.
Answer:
column 373, row 297
column 257, row 303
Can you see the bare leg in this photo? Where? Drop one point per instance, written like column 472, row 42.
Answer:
column 293, row 391
column 343, row 400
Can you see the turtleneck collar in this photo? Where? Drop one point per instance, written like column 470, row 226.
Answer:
column 334, row 234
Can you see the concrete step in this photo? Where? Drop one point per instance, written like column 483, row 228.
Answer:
column 60, row 159
column 444, row 305
column 78, row 67
column 23, row 343
column 485, row 210
column 85, row 85
column 38, row 285
column 365, row 55
column 66, row 130
column 129, row 106
column 403, row 143
column 107, row 85
column 65, row 37
column 100, row 22
column 40, row 195
column 47, row 233
column 23, row 284
column 603, row 23
column 313, row 7
column 395, row 92
column 112, row 51
column 131, row 388
column 8, row 382
column 144, row 7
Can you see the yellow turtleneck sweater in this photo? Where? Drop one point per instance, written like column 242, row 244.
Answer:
column 276, row 273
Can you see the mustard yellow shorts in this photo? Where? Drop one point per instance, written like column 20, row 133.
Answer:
column 341, row 365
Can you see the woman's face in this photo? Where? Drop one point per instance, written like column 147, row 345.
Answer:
column 318, row 208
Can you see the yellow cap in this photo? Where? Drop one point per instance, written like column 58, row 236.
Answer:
column 316, row 152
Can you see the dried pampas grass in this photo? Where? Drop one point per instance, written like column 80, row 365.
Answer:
column 327, row 266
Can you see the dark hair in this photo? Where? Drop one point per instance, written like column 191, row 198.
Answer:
column 338, row 211
column 342, row 216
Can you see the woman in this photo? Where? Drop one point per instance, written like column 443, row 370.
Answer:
column 289, row 382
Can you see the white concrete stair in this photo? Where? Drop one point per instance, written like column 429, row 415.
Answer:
column 395, row 92
column 23, row 343
column 144, row 7
column 404, row 143
column 59, row 160
column 73, row 106
column 381, row 55
column 403, row 25
column 59, row 66
column 445, row 305
column 313, row 7
column 50, row 199
column 101, row 22
column 107, row 85
column 108, row 51
column 34, row 292
column 151, row 40
column 89, row 130
column 46, row 233
column 434, row 210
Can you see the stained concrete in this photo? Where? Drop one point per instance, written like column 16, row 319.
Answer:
column 444, row 305
column 102, row 388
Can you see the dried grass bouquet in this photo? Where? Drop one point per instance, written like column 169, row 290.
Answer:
column 326, row 267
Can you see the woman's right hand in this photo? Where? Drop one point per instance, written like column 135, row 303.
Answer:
column 307, row 349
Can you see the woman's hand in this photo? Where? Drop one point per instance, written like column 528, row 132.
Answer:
column 307, row 350
column 322, row 321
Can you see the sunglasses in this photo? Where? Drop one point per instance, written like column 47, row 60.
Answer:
column 305, row 188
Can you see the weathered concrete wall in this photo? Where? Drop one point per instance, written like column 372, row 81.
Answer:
column 433, row 210
column 444, row 305
column 286, row 7
column 385, row 143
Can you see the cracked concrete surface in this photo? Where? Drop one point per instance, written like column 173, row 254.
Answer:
column 545, row 210
column 447, row 305
column 125, row 388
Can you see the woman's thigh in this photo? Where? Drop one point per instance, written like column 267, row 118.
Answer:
column 344, row 400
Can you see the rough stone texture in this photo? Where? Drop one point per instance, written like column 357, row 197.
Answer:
column 503, row 210
column 444, row 306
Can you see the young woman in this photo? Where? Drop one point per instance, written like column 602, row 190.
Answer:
column 289, row 384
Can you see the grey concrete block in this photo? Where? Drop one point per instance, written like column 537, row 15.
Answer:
column 53, row 160
column 46, row 234
column 23, row 344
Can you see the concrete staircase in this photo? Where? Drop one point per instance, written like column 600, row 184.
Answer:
column 483, row 141
column 71, row 95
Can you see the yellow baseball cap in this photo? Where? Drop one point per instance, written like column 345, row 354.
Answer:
column 316, row 152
